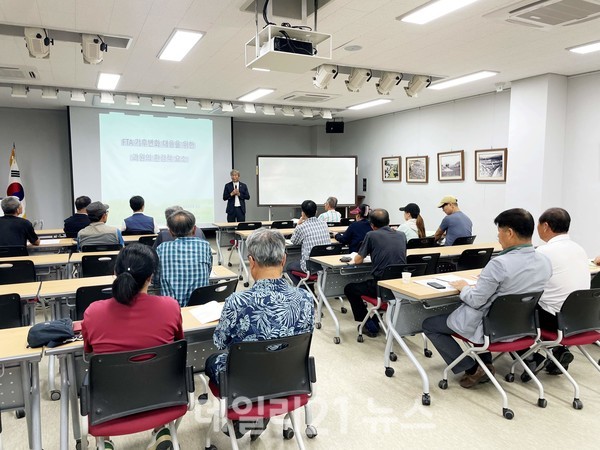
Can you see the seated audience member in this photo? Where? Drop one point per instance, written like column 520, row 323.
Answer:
column 309, row 232
column 270, row 309
column 386, row 247
column 97, row 232
column 456, row 223
column 186, row 262
column 518, row 269
column 165, row 235
column 132, row 319
column 138, row 222
column 80, row 219
column 356, row 231
column 570, row 273
column 414, row 227
column 330, row 214
column 14, row 230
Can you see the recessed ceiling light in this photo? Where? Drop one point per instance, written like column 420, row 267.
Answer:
column 370, row 104
column 179, row 44
column 108, row 81
column 463, row 80
column 586, row 48
column 433, row 10
column 255, row 94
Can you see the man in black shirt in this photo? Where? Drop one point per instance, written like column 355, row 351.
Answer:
column 14, row 230
column 80, row 219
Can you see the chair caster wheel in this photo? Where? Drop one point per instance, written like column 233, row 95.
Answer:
column 240, row 277
column 508, row 413
column 343, row 310
column 360, row 338
column 229, row 264
column 20, row 413
column 428, row 353
column 336, row 340
column 393, row 356
column 78, row 444
column 389, row 372
column 542, row 403
column 288, row 433
column 426, row 399
column 311, row 431
column 55, row 395
column 202, row 398
column 212, row 447
column 443, row 384
column 246, row 284
column 318, row 325
column 577, row 404
column 510, row 377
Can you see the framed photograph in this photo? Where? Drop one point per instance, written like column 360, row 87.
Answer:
column 417, row 169
column 451, row 166
column 490, row 165
column 390, row 169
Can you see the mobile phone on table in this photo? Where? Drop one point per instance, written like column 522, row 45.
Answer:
column 433, row 284
column 346, row 259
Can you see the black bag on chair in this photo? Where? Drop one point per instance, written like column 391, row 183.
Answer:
column 50, row 334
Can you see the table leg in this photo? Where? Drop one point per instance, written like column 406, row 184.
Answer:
column 323, row 300
column 31, row 379
column 27, row 398
column 219, row 253
column 64, row 403
column 243, row 268
column 73, row 396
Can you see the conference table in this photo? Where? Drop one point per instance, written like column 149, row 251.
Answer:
column 229, row 228
column 50, row 233
column 28, row 293
column 58, row 261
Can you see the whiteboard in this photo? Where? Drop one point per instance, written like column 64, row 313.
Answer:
column 289, row 180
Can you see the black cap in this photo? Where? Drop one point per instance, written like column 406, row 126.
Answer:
column 413, row 209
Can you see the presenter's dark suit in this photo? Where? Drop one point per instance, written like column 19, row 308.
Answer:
column 236, row 214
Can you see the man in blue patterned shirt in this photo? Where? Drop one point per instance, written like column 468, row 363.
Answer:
column 330, row 214
column 186, row 262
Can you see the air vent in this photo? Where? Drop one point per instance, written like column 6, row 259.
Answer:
column 18, row 73
column 307, row 97
column 548, row 14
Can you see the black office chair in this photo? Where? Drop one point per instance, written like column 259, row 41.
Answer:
column 475, row 258
column 10, row 251
column 464, row 240
column 421, row 242
column 431, row 259
column 217, row 292
column 85, row 296
column 147, row 240
column 97, row 265
column 345, row 221
column 130, row 392
column 595, row 283
column 280, row 224
column 100, row 247
column 17, row 272
column 136, row 232
column 276, row 375
column 312, row 268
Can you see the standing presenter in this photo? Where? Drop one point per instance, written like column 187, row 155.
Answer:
column 235, row 194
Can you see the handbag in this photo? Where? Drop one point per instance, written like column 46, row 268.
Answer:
column 50, row 334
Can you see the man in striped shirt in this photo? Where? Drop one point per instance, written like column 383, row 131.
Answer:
column 186, row 262
column 330, row 214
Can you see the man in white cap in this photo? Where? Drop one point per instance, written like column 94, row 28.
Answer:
column 456, row 223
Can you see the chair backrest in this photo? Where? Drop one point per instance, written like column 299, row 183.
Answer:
column 474, row 258
column 431, row 259
column 17, row 272
column 595, row 283
column 9, row 251
column 421, row 242
column 85, row 296
column 97, row 265
column 147, row 240
column 11, row 314
column 580, row 312
column 100, row 247
column 279, row 224
column 268, row 369
column 248, row 226
column 344, row 221
column 464, row 240
column 217, row 292
column 395, row 271
column 511, row 317
column 126, row 383
column 324, row 250
column 333, row 224
column 445, row 266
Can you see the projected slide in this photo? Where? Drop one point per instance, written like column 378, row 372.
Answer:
column 166, row 160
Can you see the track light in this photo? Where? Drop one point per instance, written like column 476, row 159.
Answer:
column 288, row 111
column 132, row 100
column 107, row 97
column 92, row 47
column 268, row 110
column 323, row 76
column 50, row 93
column 38, row 42
column 77, row 96
column 387, row 82
column 306, row 113
column 249, row 108
column 226, row 107
column 326, row 114
column 357, row 78
column 180, row 102
column 19, row 91
column 206, row 105
column 416, row 85
column 158, row 101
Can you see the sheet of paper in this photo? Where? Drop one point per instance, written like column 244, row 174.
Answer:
column 450, row 278
column 209, row 312
column 447, row 287
column 49, row 241
column 367, row 259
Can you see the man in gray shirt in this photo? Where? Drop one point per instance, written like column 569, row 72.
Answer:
column 518, row 269
column 456, row 223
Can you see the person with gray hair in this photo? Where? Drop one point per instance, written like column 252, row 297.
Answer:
column 185, row 263
column 270, row 309
column 330, row 214
column 235, row 194
column 14, row 230
column 165, row 236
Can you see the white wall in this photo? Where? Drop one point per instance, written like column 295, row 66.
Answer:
column 469, row 125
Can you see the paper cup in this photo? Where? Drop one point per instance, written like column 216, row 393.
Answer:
column 406, row 277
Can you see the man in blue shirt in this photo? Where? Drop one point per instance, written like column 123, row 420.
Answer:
column 185, row 263
column 138, row 222
column 456, row 223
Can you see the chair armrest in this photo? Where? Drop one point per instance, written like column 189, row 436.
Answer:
column 223, row 388
column 84, row 396
column 189, row 379
column 312, row 369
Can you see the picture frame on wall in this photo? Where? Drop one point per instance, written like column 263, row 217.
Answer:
column 490, row 165
column 417, row 169
column 451, row 166
column 391, row 169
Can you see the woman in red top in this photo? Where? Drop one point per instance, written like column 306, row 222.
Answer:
column 132, row 319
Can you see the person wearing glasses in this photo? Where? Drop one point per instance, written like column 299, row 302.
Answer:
column 456, row 223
